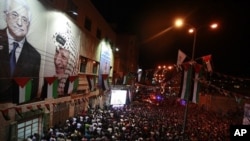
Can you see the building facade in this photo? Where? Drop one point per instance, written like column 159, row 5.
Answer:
column 76, row 60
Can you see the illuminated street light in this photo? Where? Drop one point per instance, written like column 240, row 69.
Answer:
column 215, row 25
column 179, row 23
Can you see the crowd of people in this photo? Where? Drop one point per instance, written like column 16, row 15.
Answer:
column 144, row 122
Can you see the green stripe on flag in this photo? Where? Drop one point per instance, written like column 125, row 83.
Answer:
column 54, row 89
column 76, row 82
column 25, row 92
column 28, row 91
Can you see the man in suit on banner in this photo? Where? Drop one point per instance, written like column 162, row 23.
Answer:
column 13, row 43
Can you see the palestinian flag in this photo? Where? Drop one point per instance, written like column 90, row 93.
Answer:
column 181, row 57
column 196, row 88
column 19, row 111
column 73, row 83
column 207, row 61
column 25, row 85
column 51, row 85
column 5, row 114
column 187, row 81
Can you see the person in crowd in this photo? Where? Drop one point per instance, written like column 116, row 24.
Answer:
column 18, row 58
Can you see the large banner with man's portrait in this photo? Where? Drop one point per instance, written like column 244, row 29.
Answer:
column 39, row 49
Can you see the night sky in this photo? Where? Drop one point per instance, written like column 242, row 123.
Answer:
column 228, row 44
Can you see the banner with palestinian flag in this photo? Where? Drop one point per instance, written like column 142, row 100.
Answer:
column 196, row 88
column 186, row 81
column 50, row 87
column 25, row 84
column 207, row 61
column 73, row 83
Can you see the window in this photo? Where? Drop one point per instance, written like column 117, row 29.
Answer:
column 83, row 64
column 98, row 33
column 87, row 23
column 28, row 128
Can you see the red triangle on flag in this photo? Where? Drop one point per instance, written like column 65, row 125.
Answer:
column 72, row 78
column 6, row 114
column 47, row 106
column 206, row 58
column 197, row 68
column 19, row 111
column 22, row 81
column 50, row 80
column 186, row 66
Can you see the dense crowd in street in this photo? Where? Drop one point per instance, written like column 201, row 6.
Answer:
column 144, row 122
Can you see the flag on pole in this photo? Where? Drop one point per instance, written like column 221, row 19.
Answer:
column 73, row 84
column 207, row 60
column 181, row 57
column 187, row 81
column 52, row 85
column 25, row 85
column 196, row 88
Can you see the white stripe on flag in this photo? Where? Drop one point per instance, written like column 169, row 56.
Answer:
column 22, row 93
column 209, row 67
column 71, row 87
column 49, row 91
column 25, row 92
column 52, row 90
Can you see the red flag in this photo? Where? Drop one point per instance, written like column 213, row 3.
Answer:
column 19, row 111
column 47, row 106
column 39, row 106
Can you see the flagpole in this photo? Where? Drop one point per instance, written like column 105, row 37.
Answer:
column 179, row 23
column 192, row 62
